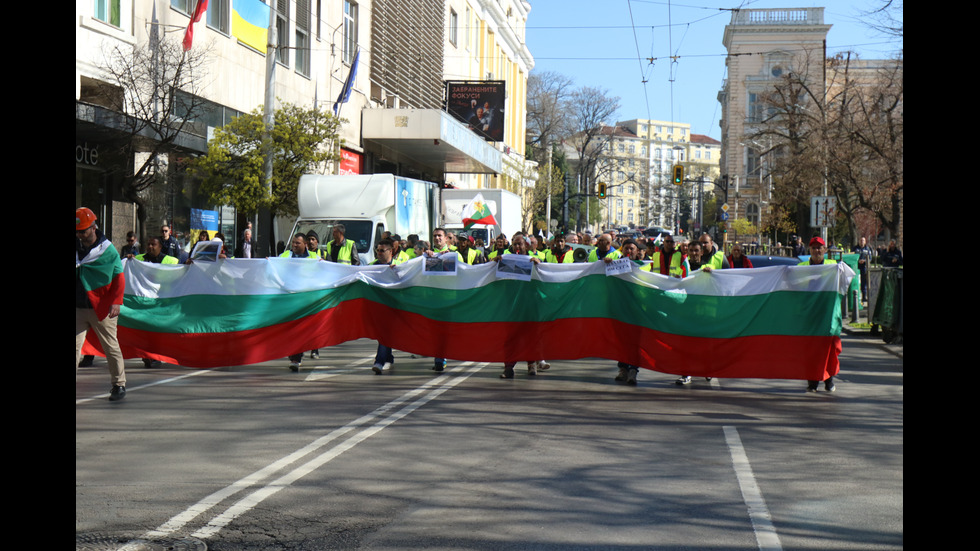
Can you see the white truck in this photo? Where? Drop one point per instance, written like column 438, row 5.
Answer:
column 504, row 205
column 367, row 205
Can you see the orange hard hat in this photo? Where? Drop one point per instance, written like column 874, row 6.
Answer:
column 84, row 218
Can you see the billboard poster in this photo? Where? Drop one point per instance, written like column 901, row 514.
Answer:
column 350, row 162
column 479, row 105
column 203, row 220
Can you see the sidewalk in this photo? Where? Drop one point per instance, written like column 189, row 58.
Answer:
column 896, row 347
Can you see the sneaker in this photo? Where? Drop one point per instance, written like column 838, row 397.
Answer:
column 631, row 376
column 685, row 380
column 294, row 367
column 117, row 393
column 439, row 367
column 315, row 354
column 532, row 369
column 621, row 376
column 86, row 361
column 507, row 374
column 811, row 388
column 377, row 369
column 387, row 367
column 543, row 365
column 829, row 386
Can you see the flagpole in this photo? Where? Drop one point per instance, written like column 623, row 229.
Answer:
column 269, row 116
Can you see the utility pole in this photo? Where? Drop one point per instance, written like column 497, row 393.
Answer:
column 269, row 119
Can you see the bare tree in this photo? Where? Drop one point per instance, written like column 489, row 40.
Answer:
column 548, row 118
column 154, row 89
column 886, row 19
column 845, row 132
column 590, row 108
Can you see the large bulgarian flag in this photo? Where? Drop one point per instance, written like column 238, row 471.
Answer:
column 102, row 276
column 477, row 212
column 776, row 322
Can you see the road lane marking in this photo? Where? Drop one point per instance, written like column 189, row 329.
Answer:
column 765, row 532
column 147, row 385
column 428, row 391
column 327, row 371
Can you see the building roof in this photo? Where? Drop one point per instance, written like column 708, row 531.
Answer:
column 702, row 139
column 620, row 131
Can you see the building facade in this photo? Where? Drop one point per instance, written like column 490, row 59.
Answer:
column 763, row 45
column 664, row 144
column 394, row 52
column 485, row 41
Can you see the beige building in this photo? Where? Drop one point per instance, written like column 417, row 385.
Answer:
column 762, row 45
column 665, row 144
column 486, row 41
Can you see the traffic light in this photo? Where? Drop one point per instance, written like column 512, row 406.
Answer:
column 678, row 174
column 602, row 190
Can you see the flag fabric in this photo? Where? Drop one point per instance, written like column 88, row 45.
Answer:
column 348, row 84
column 101, row 274
column 250, row 23
column 477, row 212
column 202, row 6
column 778, row 322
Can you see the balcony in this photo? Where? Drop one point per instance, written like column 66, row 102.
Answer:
column 778, row 16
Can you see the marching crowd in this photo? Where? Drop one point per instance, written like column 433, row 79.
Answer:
column 99, row 281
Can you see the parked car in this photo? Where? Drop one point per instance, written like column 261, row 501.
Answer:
column 761, row 261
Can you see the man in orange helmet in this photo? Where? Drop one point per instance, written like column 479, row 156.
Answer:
column 99, row 286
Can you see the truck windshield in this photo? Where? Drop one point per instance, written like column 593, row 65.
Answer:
column 358, row 231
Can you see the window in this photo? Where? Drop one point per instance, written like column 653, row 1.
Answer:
column 453, row 26
column 282, row 29
column 218, row 15
column 184, row 6
column 632, row 149
column 753, row 162
column 303, row 37
column 707, row 154
column 630, row 202
column 350, row 31
column 107, row 11
column 631, row 189
column 466, row 28
column 752, row 214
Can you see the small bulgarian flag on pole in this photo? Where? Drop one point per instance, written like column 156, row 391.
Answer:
column 477, row 212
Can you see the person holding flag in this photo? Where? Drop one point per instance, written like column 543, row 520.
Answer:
column 99, row 286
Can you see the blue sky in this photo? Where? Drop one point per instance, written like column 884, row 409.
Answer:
column 600, row 43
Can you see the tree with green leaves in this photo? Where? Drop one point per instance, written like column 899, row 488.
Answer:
column 305, row 140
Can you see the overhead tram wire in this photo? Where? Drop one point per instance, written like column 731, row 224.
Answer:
column 639, row 59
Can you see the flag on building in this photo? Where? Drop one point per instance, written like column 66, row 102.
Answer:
column 202, row 6
column 477, row 212
column 348, row 84
column 250, row 23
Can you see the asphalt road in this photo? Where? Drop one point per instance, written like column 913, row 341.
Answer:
column 335, row 457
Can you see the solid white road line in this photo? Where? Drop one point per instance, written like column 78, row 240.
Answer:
column 765, row 532
column 432, row 388
column 147, row 385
